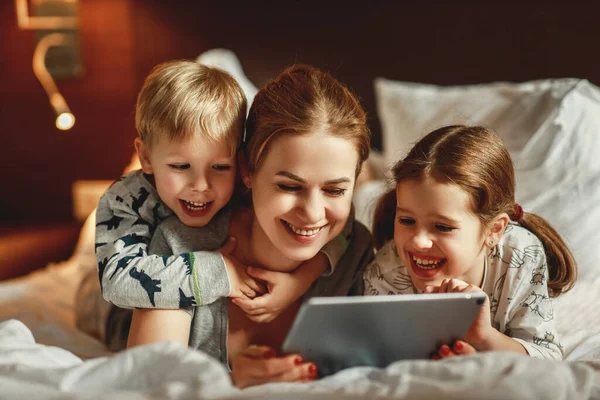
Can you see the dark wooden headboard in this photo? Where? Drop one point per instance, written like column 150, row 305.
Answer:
column 440, row 42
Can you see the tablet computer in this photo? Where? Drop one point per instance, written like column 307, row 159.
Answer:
column 341, row 332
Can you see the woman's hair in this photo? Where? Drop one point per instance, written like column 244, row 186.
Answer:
column 474, row 159
column 302, row 100
column 182, row 99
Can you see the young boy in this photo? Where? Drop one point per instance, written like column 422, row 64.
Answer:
column 189, row 119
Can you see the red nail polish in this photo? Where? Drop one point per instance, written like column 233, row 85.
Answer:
column 312, row 370
column 458, row 346
column 444, row 350
column 298, row 360
column 271, row 353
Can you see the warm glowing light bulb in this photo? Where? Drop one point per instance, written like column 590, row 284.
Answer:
column 65, row 121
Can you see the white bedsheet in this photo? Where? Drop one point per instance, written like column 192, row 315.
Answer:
column 173, row 371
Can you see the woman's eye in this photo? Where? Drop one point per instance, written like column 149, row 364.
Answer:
column 288, row 188
column 179, row 167
column 444, row 228
column 406, row 221
column 222, row 167
column 335, row 192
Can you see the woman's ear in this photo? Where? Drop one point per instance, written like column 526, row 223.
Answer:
column 496, row 229
column 244, row 171
column 143, row 154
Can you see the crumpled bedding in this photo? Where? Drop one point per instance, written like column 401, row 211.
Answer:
column 173, row 371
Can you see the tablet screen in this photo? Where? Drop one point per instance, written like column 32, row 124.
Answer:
column 341, row 332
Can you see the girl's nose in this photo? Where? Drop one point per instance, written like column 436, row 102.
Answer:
column 422, row 241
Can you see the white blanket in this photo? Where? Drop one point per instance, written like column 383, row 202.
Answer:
column 173, row 371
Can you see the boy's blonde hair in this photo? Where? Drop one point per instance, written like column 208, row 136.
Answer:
column 182, row 99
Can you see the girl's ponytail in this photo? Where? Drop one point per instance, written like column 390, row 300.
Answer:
column 562, row 269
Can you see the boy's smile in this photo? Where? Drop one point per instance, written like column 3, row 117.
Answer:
column 194, row 177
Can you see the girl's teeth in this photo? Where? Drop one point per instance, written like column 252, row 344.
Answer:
column 193, row 205
column 426, row 264
column 304, row 232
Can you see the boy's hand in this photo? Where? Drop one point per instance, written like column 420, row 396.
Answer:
column 481, row 330
column 259, row 364
column 242, row 285
column 283, row 289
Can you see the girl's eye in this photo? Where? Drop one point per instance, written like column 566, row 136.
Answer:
column 179, row 167
column 335, row 192
column 444, row 228
column 406, row 221
column 222, row 167
column 288, row 188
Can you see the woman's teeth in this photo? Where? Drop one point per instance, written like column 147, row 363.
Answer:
column 194, row 206
column 304, row 232
column 426, row 264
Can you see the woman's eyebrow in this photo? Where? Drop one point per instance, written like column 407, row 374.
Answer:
column 295, row 177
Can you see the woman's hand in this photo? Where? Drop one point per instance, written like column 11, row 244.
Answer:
column 260, row 364
column 481, row 332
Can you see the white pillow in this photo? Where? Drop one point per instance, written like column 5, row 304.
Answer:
column 550, row 127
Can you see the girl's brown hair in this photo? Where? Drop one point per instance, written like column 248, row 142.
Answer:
column 301, row 100
column 475, row 159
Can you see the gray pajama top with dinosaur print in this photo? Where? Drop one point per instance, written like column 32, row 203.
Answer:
column 126, row 219
column 515, row 281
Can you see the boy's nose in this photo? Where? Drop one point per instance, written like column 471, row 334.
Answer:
column 200, row 184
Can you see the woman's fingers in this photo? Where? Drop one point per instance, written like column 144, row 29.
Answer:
column 259, row 352
column 301, row 373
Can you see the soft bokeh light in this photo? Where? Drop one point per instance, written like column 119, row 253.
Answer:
column 65, row 121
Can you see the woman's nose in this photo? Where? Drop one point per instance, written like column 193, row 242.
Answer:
column 313, row 209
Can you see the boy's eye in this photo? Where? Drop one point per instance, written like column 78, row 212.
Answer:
column 221, row 167
column 179, row 167
column 406, row 221
column 336, row 192
column 289, row 188
column 444, row 228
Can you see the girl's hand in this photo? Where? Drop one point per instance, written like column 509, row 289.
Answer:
column 259, row 364
column 481, row 332
column 459, row 348
column 283, row 289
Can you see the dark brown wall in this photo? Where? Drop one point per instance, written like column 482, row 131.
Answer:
column 454, row 42
column 39, row 162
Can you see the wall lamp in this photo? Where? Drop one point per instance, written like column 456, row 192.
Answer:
column 58, row 31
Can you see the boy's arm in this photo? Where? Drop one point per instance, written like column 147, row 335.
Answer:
column 130, row 277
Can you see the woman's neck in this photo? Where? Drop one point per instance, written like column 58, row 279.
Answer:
column 254, row 247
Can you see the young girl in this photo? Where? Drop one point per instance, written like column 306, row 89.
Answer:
column 457, row 228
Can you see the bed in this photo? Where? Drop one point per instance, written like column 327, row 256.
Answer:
column 550, row 126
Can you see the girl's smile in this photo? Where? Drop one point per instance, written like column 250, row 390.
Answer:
column 436, row 233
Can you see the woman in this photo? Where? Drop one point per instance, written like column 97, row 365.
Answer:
column 305, row 143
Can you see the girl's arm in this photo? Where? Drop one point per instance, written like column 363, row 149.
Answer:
column 155, row 325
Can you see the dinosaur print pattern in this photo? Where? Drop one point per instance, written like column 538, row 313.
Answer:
column 186, row 301
column 515, row 280
column 111, row 224
column 150, row 285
